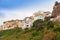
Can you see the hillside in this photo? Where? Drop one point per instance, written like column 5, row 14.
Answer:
column 18, row 34
column 45, row 33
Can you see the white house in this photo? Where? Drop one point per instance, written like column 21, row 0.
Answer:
column 40, row 15
column 27, row 22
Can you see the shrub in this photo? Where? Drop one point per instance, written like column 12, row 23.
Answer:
column 49, row 36
column 38, row 24
column 50, row 24
column 26, row 29
column 58, row 37
column 35, row 34
column 1, row 33
column 56, row 29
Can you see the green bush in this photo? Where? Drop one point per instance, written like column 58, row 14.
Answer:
column 50, row 24
column 38, row 24
column 35, row 34
column 58, row 38
column 1, row 33
column 56, row 29
column 49, row 36
column 18, row 30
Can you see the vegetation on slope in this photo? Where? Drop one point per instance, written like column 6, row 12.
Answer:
column 41, row 30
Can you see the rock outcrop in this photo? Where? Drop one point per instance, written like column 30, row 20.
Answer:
column 56, row 9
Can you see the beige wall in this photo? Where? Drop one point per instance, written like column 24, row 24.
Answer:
column 12, row 24
column 1, row 28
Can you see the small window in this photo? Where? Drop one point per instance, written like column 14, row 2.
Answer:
column 9, row 26
column 27, row 25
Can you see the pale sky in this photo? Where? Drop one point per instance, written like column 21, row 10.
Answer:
column 19, row 9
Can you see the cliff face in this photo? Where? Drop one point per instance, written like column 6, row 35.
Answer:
column 56, row 10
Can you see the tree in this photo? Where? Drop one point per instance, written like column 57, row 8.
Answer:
column 38, row 24
column 50, row 24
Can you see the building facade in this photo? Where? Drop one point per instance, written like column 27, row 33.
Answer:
column 27, row 22
column 12, row 24
column 40, row 15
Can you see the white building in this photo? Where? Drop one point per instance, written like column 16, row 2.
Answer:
column 27, row 22
column 40, row 15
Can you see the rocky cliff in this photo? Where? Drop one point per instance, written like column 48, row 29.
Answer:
column 56, row 9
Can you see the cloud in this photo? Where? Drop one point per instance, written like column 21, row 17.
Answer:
column 2, row 14
column 14, row 14
column 19, row 9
